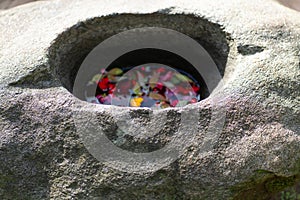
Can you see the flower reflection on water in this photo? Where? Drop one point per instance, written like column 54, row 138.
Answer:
column 154, row 86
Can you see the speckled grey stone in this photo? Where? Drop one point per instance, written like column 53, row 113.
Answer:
column 256, row 45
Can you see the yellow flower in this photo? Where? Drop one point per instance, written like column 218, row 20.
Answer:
column 136, row 102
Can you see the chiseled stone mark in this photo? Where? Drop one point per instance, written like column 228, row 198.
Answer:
column 249, row 49
column 40, row 77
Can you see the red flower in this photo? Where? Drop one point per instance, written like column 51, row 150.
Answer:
column 196, row 88
column 111, row 88
column 133, row 82
column 159, row 86
column 104, row 100
column 182, row 90
column 160, row 70
column 194, row 100
column 103, row 84
column 174, row 103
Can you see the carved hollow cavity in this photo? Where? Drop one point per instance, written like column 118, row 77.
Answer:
column 71, row 47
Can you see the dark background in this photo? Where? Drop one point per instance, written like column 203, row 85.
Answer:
column 5, row 4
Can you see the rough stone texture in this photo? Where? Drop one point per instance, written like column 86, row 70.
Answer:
column 257, row 154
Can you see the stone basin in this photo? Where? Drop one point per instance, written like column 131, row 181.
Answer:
column 256, row 153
